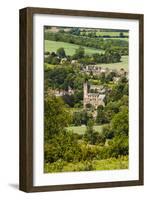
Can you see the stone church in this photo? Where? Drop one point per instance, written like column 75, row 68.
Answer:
column 95, row 99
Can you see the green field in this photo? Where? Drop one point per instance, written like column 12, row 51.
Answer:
column 112, row 34
column 69, row 48
column 81, row 129
column 124, row 39
column 123, row 64
column 107, row 164
column 102, row 33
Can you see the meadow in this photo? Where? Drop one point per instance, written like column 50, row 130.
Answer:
column 112, row 34
column 81, row 129
column 124, row 39
column 68, row 47
column 123, row 64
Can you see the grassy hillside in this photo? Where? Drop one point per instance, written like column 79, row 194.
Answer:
column 123, row 64
column 69, row 48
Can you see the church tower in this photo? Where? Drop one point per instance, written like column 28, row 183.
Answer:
column 85, row 93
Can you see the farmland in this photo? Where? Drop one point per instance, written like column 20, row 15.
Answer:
column 112, row 34
column 109, row 35
column 68, row 47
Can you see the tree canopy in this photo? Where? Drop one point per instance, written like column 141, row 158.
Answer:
column 56, row 116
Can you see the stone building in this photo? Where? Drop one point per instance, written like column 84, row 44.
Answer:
column 61, row 92
column 95, row 69
column 95, row 99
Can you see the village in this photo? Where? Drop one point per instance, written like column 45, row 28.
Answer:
column 93, row 95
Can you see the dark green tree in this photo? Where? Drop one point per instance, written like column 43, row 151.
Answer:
column 119, row 122
column 101, row 115
column 61, row 52
column 107, row 132
column 121, row 34
column 119, row 146
column 79, row 53
column 81, row 117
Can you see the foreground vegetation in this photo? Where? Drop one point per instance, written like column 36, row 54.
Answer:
column 83, row 151
column 107, row 164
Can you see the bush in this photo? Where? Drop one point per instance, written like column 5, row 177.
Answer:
column 88, row 152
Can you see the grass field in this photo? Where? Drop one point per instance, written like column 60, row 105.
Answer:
column 111, row 34
column 124, row 39
column 81, row 129
column 106, row 33
column 69, row 48
column 102, row 33
column 107, row 164
column 123, row 64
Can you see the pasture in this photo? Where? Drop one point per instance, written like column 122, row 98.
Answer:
column 114, row 35
column 124, row 39
column 111, row 33
column 123, row 64
column 81, row 129
column 68, row 47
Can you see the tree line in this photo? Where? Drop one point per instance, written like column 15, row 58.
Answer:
column 55, row 58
